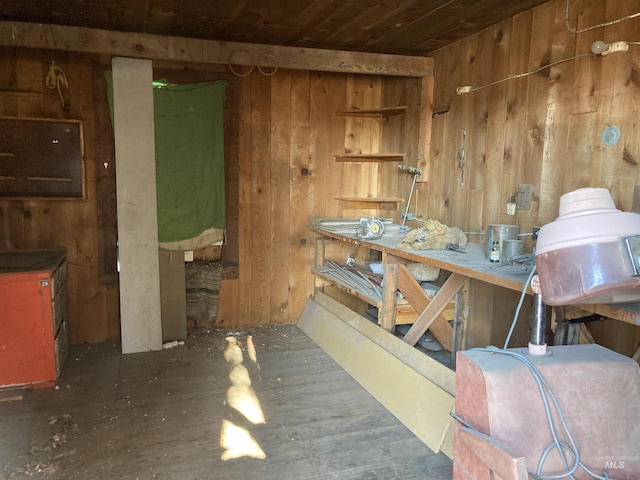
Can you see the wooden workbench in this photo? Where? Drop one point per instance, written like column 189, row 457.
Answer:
column 473, row 264
column 463, row 266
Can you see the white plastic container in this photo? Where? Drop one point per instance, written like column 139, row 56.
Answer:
column 581, row 258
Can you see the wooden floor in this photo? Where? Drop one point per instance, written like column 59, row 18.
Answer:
column 161, row 415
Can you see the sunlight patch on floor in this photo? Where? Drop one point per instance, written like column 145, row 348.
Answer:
column 237, row 441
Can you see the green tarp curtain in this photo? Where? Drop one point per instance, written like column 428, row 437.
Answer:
column 189, row 145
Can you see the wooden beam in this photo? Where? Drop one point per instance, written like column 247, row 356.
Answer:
column 158, row 47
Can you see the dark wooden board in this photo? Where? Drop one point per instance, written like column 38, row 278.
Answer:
column 41, row 158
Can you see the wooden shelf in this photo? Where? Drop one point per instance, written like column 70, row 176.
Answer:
column 405, row 314
column 382, row 203
column 370, row 157
column 375, row 113
column 373, row 144
column 373, row 299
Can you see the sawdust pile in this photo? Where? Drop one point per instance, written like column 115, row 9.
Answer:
column 49, row 454
column 433, row 235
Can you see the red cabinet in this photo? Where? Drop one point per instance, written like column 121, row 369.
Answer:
column 33, row 317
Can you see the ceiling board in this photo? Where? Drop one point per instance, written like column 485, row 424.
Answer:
column 401, row 27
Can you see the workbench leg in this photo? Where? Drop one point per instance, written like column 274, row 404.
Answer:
column 320, row 251
column 318, row 261
column 565, row 332
column 460, row 321
column 387, row 318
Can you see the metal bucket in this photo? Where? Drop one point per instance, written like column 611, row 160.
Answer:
column 511, row 249
column 500, row 233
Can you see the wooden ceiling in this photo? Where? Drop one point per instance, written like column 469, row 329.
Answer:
column 401, row 27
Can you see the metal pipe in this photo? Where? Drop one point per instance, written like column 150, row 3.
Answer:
column 416, row 173
column 538, row 326
column 406, row 210
column 538, row 345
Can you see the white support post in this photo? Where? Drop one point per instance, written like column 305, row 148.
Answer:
column 141, row 325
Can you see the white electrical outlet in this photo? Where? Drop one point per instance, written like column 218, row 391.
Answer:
column 616, row 47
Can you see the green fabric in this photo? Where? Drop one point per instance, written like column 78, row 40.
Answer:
column 189, row 144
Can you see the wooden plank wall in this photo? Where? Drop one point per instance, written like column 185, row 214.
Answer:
column 544, row 129
column 36, row 224
column 87, row 227
column 289, row 132
column 280, row 134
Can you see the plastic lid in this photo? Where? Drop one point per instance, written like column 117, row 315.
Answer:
column 587, row 215
column 586, row 200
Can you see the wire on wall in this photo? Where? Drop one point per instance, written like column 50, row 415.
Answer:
column 469, row 89
column 55, row 78
column 273, row 71
column 598, row 48
column 242, row 57
column 593, row 27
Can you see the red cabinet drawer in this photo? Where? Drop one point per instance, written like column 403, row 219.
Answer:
column 30, row 319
